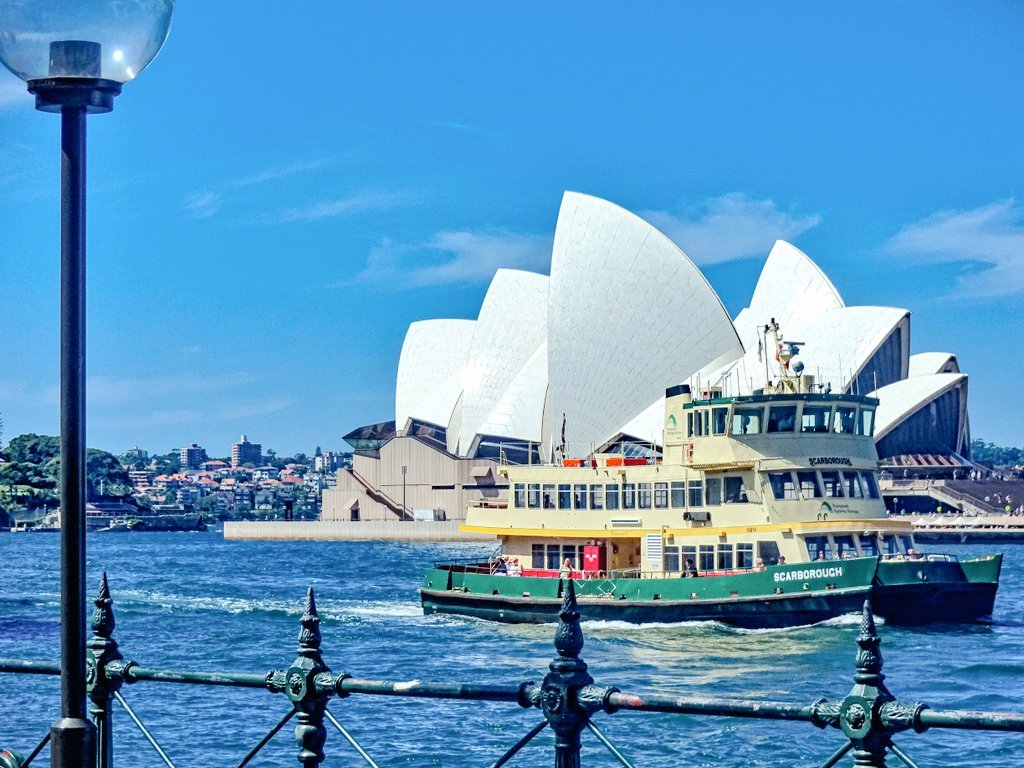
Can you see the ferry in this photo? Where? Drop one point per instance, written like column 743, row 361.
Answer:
column 762, row 510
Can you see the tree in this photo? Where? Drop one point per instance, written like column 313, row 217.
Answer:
column 34, row 449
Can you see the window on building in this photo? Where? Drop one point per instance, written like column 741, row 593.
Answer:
column 696, row 489
column 853, row 486
column 597, row 496
column 868, row 545
column 661, row 495
column 809, row 487
column 678, row 494
column 768, row 551
column 744, row 555
column 815, row 418
column 629, row 495
column 707, row 558
column 554, row 553
column 844, row 546
column 538, row 556
column 870, row 484
column 714, row 491
column 906, row 543
column 831, row 484
column 687, row 553
column 725, row 557
column 889, row 545
column 533, row 495
column 520, row 495
column 845, row 420
column 611, row 496
column 746, row 421
column 644, row 495
column 867, row 422
column 719, row 420
column 579, row 496
column 818, row 548
column 547, row 494
column 569, row 552
column 734, row 491
column 670, row 560
column 782, row 418
column 782, row 485
column 564, row 496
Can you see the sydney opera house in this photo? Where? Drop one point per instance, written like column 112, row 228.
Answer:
column 578, row 361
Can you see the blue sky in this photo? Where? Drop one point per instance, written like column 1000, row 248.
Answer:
column 284, row 190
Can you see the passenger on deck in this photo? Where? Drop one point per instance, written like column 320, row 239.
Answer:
column 759, row 565
column 689, row 569
column 912, row 554
column 514, row 568
column 782, row 559
column 502, row 565
column 566, row 570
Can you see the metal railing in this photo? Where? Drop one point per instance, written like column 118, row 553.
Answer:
column 868, row 718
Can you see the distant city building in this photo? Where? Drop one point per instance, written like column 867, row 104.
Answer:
column 135, row 454
column 331, row 461
column 192, row 457
column 244, row 452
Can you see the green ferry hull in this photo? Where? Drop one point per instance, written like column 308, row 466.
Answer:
column 901, row 592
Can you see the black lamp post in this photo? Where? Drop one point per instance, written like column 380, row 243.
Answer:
column 74, row 55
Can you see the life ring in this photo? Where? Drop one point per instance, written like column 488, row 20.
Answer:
column 689, row 453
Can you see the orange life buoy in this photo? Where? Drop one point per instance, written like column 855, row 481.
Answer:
column 689, row 453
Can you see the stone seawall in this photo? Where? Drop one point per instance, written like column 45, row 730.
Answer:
column 344, row 530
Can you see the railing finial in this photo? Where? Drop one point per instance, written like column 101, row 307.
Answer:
column 309, row 633
column 103, row 616
column 569, row 635
column 869, row 653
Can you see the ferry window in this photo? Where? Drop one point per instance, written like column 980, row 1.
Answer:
column 853, row 487
column 734, row 491
column 688, row 553
column 554, row 553
column 815, row 418
column 782, row 418
column 746, row 421
column 719, row 420
column 564, row 496
column 698, row 424
column 725, row 557
column 845, row 420
column 579, row 496
column 538, row 556
column 867, row 422
column 714, row 491
column 661, row 495
column 830, row 482
column 889, row 545
column 844, row 546
column 706, row 418
column 628, row 495
column 520, row 494
column 782, row 484
column 870, row 484
column 744, row 556
column 818, row 548
column 868, row 545
column 689, row 424
column 597, row 496
column 644, row 495
column 707, row 558
column 768, row 551
column 569, row 553
column 670, row 562
column 548, row 496
column 906, row 543
column 678, row 494
column 533, row 495
column 809, row 485
column 611, row 496
column 696, row 493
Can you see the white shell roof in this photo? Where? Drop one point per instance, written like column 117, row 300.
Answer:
column 902, row 399
column 791, row 288
column 926, row 363
column 430, row 370
column 519, row 412
column 510, row 328
column 628, row 315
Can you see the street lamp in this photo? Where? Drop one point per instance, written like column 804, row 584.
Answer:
column 75, row 55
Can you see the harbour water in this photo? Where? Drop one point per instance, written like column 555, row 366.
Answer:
column 195, row 601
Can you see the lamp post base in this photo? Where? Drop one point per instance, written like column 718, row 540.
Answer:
column 72, row 743
column 93, row 94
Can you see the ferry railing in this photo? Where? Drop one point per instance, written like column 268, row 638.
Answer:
column 868, row 718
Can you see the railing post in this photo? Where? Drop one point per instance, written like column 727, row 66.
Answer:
column 103, row 665
column 309, row 699
column 560, row 687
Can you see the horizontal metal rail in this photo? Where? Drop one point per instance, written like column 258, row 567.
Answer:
column 869, row 716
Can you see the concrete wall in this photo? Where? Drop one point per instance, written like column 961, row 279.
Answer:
column 384, row 530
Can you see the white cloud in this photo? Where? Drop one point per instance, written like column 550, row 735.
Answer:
column 988, row 240
column 361, row 202
column 455, row 257
column 202, row 205
column 730, row 227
